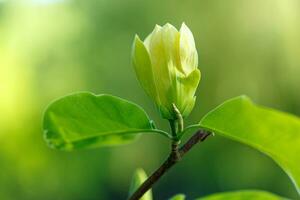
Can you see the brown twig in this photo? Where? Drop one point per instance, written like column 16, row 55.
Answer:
column 174, row 157
column 199, row 136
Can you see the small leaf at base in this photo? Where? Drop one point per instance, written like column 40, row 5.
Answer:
column 138, row 179
column 178, row 197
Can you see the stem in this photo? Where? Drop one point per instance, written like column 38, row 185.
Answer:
column 179, row 118
column 175, row 156
column 199, row 136
column 173, row 125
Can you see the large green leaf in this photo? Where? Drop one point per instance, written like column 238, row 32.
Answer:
column 85, row 120
column 274, row 133
column 243, row 195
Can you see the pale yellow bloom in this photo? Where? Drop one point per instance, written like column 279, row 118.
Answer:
column 166, row 66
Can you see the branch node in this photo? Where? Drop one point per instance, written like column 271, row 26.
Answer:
column 175, row 155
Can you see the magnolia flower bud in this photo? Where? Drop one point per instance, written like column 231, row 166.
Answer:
column 166, row 67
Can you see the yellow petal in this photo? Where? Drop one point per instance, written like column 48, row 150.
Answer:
column 162, row 68
column 170, row 37
column 188, row 52
column 143, row 68
column 186, row 89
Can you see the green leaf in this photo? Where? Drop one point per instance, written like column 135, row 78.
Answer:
column 138, row 179
column 85, row 120
column 274, row 133
column 243, row 195
column 178, row 197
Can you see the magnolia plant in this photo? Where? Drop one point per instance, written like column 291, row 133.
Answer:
column 166, row 65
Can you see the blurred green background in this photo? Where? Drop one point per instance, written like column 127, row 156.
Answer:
column 50, row 48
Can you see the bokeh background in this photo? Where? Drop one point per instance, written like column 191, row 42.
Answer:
column 50, row 48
